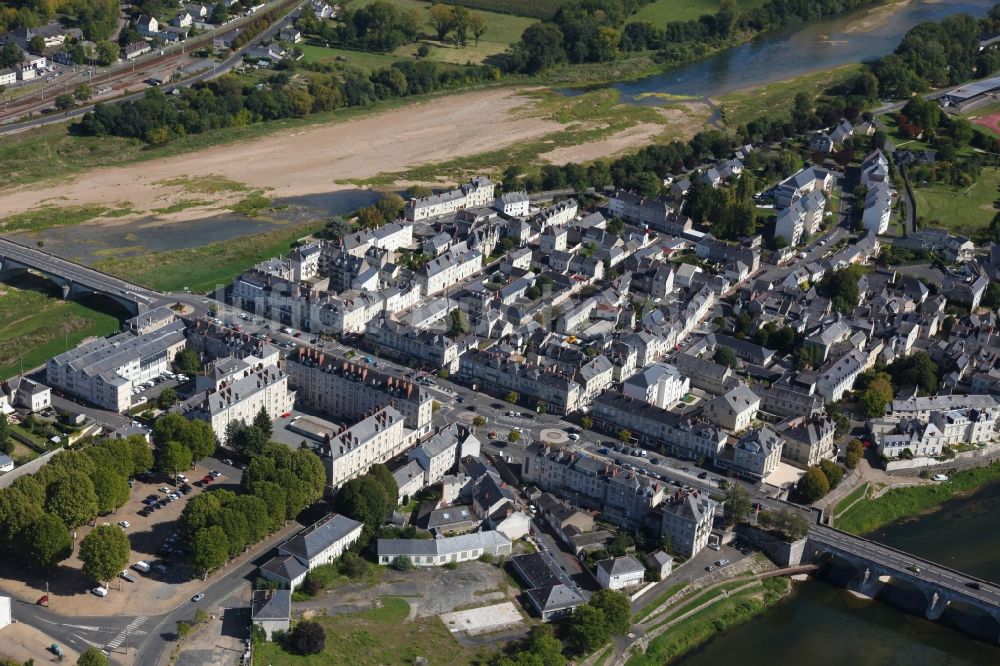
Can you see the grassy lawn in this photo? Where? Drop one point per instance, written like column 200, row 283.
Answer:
column 852, row 497
column 702, row 626
column 655, row 603
column 661, row 12
column 203, row 268
column 50, row 215
column 961, row 210
column 35, row 326
column 378, row 636
column 913, row 501
column 313, row 52
column 743, row 106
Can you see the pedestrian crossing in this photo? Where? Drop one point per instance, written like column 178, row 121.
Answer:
column 123, row 634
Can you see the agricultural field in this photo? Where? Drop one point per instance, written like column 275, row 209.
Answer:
column 661, row 12
column 541, row 9
column 961, row 210
column 35, row 325
column 366, row 60
column 502, row 31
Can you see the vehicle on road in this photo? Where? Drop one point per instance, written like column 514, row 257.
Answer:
column 703, row 475
column 974, row 585
column 940, row 477
column 710, row 567
column 198, row 597
column 714, row 546
column 574, row 436
column 914, row 568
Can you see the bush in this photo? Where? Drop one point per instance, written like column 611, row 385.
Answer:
column 307, row 637
column 353, row 565
column 832, row 471
column 402, row 563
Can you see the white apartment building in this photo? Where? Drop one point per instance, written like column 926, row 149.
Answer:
column 878, row 208
column 557, row 214
column 660, row 385
column 441, row 452
column 619, row 573
column 477, row 192
column 448, row 270
column 735, row 409
column 513, row 204
column 809, row 441
column 921, row 408
column 373, row 440
column 351, row 391
column 838, row 377
column 436, row 552
column 103, row 371
column 687, row 522
column 241, row 397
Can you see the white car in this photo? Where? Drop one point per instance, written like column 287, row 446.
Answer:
column 100, row 591
column 124, row 524
column 574, row 436
column 940, row 477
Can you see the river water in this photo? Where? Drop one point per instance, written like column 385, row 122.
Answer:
column 854, row 37
column 824, row 625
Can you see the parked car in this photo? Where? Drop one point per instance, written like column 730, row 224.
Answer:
column 160, row 569
column 940, row 477
column 721, row 563
column 227, row 461
column 124, row 524
column 141, row 566
column 100, row 591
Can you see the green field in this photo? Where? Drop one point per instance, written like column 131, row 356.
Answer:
column 661, row 12
column 743, row 106
column 203, row 268
column 34, row 326
column 540, row 9
column 363, row 59
column 378, row 636
column 852, row 497
column 913, row 501
column 961, row 210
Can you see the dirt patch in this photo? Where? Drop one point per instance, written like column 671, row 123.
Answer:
column 682, row 120
column 23, row 643
column 990, row 122
column 312, row 159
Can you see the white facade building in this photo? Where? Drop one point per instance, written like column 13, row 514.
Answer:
column 660, row 385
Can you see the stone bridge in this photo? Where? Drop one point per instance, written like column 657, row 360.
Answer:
column 76, row 281
column 917, row 586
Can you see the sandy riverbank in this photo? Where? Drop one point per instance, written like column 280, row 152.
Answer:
column 309, row 160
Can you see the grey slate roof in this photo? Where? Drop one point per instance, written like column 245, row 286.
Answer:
column 271, row 605
column 320, row 537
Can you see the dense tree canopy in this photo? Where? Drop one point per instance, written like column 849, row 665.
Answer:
column 104, row 552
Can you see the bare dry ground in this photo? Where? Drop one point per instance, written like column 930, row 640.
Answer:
column 311, row 160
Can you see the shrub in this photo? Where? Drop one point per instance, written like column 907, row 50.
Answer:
column 307, row 637
column 353, row 565
column 402, row 563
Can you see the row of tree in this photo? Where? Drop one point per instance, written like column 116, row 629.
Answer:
column 97, row 19
column 276, row 486
column 39, row 512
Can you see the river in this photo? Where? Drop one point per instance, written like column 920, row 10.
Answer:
column 854, row 37
column 822, row 625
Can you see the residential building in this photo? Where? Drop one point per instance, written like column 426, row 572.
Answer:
column 878, row 208
column 403, row 342
column 661, row 564
column 921, row 408
column 619, row 573
column 513, row 204
column 837, row 377
column 147, row 26
column 735, row 409
column 240, row 396
column 755, row 455
column 26, row 393
column 551, row 592
column 437, row 552
column 802, row 183
column 8, row 76
column 449, row 269
column 809, row 441
column 104, row 370
column 477, row 192
column 441, row 452
column 133, row 50
column 492, row 371
column 320, row 543
column 660, row 385
column 350, row 391
column 271, row 610
column 687, row 521
column 372, row 440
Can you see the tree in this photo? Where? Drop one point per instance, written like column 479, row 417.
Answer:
column 478, row 422
column 588, row 629
column 542, row 407
column 876, row 396
column 363, row 499
column 111, row 488
column 459, row 323
column 263, row 422
column 460, row 23
column 209, row 549
column 187, row 361
column 167, row 399
column 92, row 657
column 813, row 485
column 36, row 44
column 173, row 458
column 441, row 18
column 616, row 608
column 512, row 397
column 514, row 436
column 200, row 439
column 725, row 356
column 107, row 52
column 64, row 102
column 72, row 499
column 841, row 286
column 625, row 436
column 6, row 445
column 47, row 541
column 540, row 48
column 832, row 471
column 104, row 552
column 83, row 92
column 587, row 422
column 737, row 504
column 916, row 369
column 855, row 452
column 477, row 25
column 306, row 637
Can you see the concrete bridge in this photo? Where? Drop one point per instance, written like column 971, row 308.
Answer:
column 75, row 280
column 917, row 586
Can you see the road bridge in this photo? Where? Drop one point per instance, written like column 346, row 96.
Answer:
column 916, row 585
column 75, row 280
